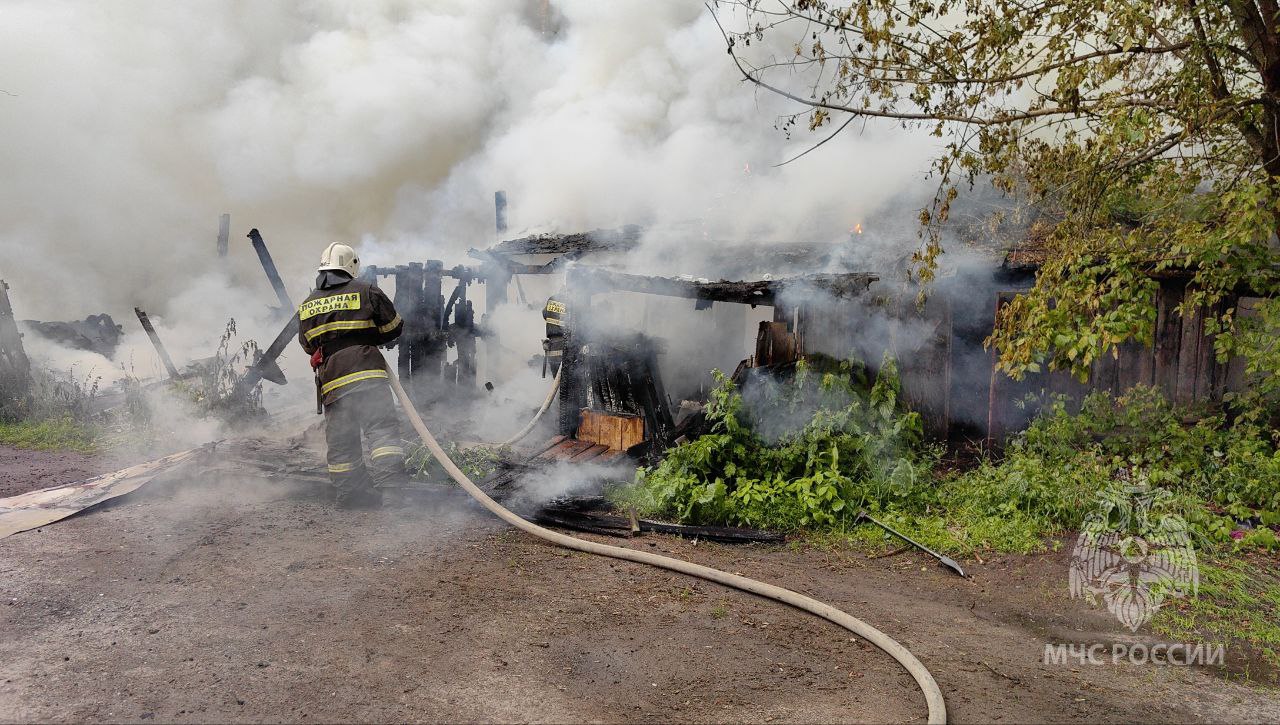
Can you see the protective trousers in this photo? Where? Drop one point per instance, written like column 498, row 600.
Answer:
column 369, row 410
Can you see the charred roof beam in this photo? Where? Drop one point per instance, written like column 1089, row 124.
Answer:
column 594, row 280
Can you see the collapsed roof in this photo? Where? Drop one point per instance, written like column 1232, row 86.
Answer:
column 599, row 240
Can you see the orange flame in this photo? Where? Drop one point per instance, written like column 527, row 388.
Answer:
column 857, row 228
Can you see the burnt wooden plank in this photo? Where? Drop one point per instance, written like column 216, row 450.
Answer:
column 924, row 361
column 578, row 522
column 1189, row 356
column 1168, row 338
column 558, row 451
column 995, row 399
column 589, row 454
column 775, row 344
column 609, row 455
column 566, row 450
column 610, row 525
column 1216, row 379
column 548, row 445
column 1136, row 366
column 1104, row 372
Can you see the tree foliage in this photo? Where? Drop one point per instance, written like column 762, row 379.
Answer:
column 1144, row 133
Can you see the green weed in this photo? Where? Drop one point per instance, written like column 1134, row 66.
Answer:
column 53, row 434
column 478, row 462
column 1238, row 605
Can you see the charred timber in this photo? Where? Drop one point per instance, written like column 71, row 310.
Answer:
column 266, row 367
column 608, row 525
column 155, row 342
column 761, row 292
column 597, row 241
column 269, row 267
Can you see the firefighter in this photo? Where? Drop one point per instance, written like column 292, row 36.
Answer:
column 341, row 325
column 556, row 314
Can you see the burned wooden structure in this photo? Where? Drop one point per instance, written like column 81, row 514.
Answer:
column 612, row 392
column 95, row 333
column 610, row 383
column 432, row 324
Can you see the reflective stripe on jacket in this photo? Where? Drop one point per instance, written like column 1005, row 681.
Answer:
column 348, row 320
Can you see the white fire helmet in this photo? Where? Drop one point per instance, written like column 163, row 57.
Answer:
column 340, row 257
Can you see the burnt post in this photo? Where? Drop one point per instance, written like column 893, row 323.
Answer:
column 500, row 212
column 433, row 353
column 573, row 369
column 465, row 339
column 159, row 346
column 224, row 234
column 409, row 301
column 269, row 267
column 420, row 350
column 15, row 368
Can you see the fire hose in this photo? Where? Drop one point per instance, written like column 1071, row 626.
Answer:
column 913, row 666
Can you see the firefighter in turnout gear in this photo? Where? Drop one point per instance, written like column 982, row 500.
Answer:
column 341, row 325
column 556, row 314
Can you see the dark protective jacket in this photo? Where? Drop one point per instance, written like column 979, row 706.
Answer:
column 347, row 319
column 556, row 315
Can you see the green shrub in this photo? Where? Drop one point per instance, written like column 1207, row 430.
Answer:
column 1218, row 474
column 852, row 447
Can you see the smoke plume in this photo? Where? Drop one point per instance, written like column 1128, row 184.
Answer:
column 128, row 128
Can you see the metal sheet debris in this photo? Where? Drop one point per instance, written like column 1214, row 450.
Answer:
column 33, row 509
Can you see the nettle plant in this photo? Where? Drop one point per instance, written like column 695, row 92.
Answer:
column 806, row 452
column 1143, row 135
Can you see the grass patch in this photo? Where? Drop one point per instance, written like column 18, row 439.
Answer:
column 1238, row 605
column 56, row 434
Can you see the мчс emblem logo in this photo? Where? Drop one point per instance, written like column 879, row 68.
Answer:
column 1132, row 554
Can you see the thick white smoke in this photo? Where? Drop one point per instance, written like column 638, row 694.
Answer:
column 126, row 128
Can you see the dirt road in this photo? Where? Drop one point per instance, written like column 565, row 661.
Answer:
column 214, row 598
column 22, row 470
